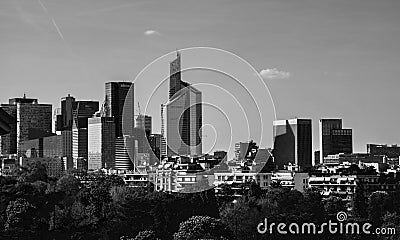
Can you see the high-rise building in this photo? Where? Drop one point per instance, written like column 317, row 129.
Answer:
column 72, row 122
column 122, row 157
column 144, row 122
column 5, row 122
column 8, row 142
column 293, row 143
column 71, row 110
column 183, row 115
column 101, row 142
column 155, row 142
column 33, row 120
column 119, row 104
column 333, row 139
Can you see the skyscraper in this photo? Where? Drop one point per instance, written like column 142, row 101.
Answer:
column 183, row 115
column 122, row 158
column 293, row 142
column 101, row 142
column 72, row 122
column 333, row 139
column 144, row 122
column 31, row 120
column 120, row 98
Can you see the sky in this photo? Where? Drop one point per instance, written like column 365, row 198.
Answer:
column 319, row 58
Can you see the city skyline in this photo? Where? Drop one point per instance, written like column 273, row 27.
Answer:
column 320, row 54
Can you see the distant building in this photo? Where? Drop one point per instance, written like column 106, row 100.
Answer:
column 333, row 138
column 72, row 122
column 101, row 143
column 120, row 101
column 317, row 160
column 155, row 141
column 183, row 115
column 391, row 151
column 54, row 166
column 245, row 150
column 31, row 120
column 122, row 159
column 6, row 121
column 144, row 122
column 293, row 143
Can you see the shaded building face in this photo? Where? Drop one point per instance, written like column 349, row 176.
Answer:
column 293, row 143
column 120, row 98
column 333, row 138
column 182, row 115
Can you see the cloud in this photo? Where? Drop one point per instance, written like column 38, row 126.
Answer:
column 151, row 32
column 274, row 73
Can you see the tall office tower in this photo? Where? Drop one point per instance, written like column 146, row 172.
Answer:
column 5, row 122
column 64, row 120
column 80, row 142
column 73, row 116
column 293, row 143
column 183, row 115
column 72, row 110
column 163, row 150
column 122, row 158
column 155, row 141
column 120, row 98
column 333, row 139
column 144, row 122
column 101, row 142
column 8, row 142
column 33, row 119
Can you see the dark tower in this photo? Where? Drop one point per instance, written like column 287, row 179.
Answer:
column 175, row 76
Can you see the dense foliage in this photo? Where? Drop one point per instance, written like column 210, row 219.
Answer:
column 34, row 206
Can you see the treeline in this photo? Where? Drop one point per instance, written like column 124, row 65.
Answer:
column 34, row 206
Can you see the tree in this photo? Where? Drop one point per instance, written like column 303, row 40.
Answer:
column 146, row 235
column 333, row 205
column 20, row 216
column 391, row 220
column 36, row 171
column 69, row 185
column 360, row 203
column 377, row 206
column 202, row 227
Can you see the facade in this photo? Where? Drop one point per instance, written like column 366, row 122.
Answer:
column 293, row 143
column 391, row 151
column 5, row 122
column 333, row 138
column 183, row 115
column 122, row 159
column 54, row 166
column 101, row 143
column 144, row 122
column 8, row 142
column 120, row 99
column 155, row 142
column 245, row 150
column 80, row 142
column 31, row 120
column 46, row 147
column 72, row 122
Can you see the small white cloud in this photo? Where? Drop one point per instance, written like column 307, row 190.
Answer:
column 151, row 32
column 274, row 73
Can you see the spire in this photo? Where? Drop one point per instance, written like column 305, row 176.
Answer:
column 24, row 95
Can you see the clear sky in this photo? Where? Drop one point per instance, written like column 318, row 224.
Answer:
column 319, row 58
